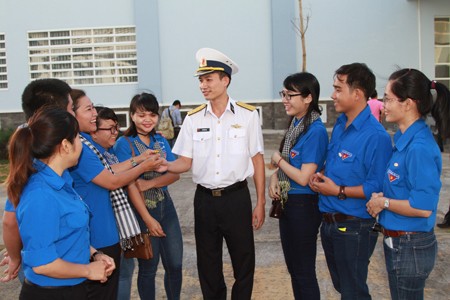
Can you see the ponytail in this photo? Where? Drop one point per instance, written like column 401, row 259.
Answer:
column 441, row 108
column 20, row 163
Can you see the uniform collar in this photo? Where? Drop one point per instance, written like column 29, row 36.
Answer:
column 401, row 140
column 360, row 119
column 53, row 180
column 231, row 105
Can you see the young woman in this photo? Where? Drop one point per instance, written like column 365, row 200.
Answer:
column 407, row 206
column 98, row 185
column 157, row 212
column 302, row 153
column 53, row 219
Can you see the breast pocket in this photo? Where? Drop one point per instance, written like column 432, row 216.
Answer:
column 77, row 219
column 351, row 167
column 237, row 140
column 202, row 142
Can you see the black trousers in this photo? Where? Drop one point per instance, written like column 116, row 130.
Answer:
column 32, row 291
column 109, row 289
column 226, row 217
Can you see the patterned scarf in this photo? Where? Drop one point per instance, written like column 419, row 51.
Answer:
column 126, row 220
column 291, row 137
column 153, row 195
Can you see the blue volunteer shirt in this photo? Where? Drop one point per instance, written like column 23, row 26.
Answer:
column 413, row 174
column 104, row 232
column 357, row 155
column 123, row 151
column 311, row 147
column 53, row 223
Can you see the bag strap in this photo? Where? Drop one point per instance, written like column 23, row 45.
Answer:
column 131, row 146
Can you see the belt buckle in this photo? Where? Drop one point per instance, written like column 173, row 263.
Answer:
column 217, row 192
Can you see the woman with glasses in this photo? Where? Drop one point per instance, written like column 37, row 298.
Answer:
column 112, row 221
column 156, row 210
column 302, row 153
column 407, row 206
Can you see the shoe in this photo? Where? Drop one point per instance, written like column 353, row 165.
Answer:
column 446, row 222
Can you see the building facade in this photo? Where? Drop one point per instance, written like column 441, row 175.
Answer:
column 114, row 49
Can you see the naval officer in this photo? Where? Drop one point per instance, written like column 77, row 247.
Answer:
column 222, row 142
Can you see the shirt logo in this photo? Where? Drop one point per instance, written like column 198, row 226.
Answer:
column 392, row 175
column 294, row 153
column 345, row 154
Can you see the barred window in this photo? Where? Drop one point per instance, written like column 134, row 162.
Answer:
column 83, row 56
column 3, row 68
column 442, row 49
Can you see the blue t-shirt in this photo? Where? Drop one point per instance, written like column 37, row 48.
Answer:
column 53, row 223
column 357, row 155
column 123, row 151
column 9, row 206
column 413, row 174
column 104, row 232
column 311, row 147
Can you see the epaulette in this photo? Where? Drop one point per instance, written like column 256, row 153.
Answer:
column 246, row 106
column 196, row 110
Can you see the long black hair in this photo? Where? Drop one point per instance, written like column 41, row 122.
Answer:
column 305, row 84
column 413, row 84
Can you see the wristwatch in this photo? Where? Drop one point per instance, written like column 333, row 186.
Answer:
column 342, row 195
column 387, row 201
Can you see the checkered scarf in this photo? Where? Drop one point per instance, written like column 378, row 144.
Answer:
column 291, row 137
column 126, row 220
column 153, row 195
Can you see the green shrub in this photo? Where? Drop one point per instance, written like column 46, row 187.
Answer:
column 5, row 134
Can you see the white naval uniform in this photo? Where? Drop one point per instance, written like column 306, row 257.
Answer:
column 221, row 148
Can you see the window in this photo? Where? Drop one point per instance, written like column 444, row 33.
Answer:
column 84, row 56
column 3, row 69
column 442, row 49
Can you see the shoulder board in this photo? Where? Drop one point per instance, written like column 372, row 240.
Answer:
column 196, row 110
column 246, row 106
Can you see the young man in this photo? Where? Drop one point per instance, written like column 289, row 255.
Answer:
column 38, row 93
column 358, row 153
column 222, row 142
column 175, row 115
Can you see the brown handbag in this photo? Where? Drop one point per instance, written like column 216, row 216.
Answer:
column 140, row 246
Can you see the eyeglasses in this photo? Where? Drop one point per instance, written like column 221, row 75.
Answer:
column 113, row 130
column 387, row 100
column 287, row 96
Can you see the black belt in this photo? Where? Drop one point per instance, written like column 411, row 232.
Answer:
column 223, row 191
column 336, row 217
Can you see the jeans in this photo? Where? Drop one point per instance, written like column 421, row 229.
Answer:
column 125, row 278
column 348, row 246
column 299, row 225
column 169, row 248
column 408, row 263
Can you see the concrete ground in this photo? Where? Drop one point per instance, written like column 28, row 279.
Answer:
column 272, row 280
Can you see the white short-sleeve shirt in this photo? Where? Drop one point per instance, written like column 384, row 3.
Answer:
column 221, row 148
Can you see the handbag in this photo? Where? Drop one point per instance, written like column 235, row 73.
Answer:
column 276, row 210
column 165, row 126
column 140, row 246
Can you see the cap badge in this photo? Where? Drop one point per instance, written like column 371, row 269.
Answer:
column 203, row 62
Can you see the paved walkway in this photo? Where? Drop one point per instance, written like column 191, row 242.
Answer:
column 271, row 279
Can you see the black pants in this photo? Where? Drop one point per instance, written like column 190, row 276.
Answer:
column 32, row 291
column 107, row 290
column 226, row 217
